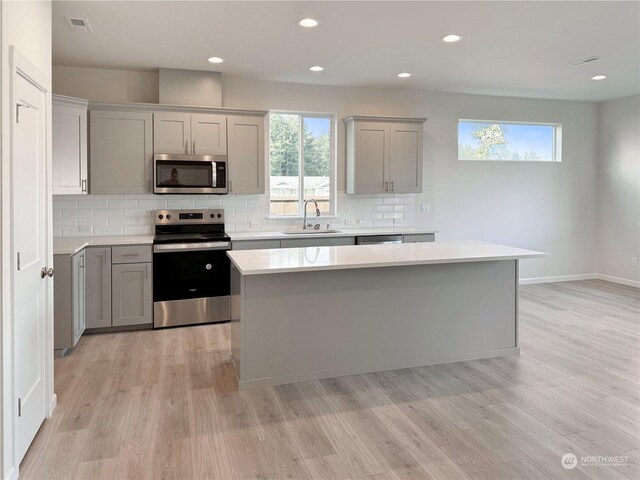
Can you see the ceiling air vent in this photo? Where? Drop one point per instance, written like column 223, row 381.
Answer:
column 78, row 24
column 583, row 61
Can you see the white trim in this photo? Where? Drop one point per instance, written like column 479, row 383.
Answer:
column 13, row 474
column 581, row 276
column 560, row 278
column 620, row 280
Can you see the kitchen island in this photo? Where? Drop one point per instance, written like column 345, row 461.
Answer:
column 301, row 314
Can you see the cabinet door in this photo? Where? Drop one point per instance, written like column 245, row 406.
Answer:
column 208, row 134
column 69, row 148
column 405, row 157
column 131, row 295
column 98, row 287
column 246, row 154
column 121, row 151
column 79, row 310
column 371, row 158
column 172, row 133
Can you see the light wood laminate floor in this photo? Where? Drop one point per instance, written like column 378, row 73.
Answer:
column 163, row 405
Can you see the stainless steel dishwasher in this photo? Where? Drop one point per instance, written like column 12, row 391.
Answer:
column 379, row 239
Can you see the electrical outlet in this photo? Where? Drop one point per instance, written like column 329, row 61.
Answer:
column 84, row 228
column 359, row 221
column 634, row 261
column 425, row 207
column 254, row 225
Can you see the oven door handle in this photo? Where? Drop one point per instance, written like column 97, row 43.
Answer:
column 190, row 247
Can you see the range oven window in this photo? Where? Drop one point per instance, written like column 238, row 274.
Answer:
column 184, row 174
column 190, row 274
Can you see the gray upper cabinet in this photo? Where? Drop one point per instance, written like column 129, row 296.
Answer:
column 384, row 155
column 208, row 134
column 172, row 133
column 246, row 154
column 98, row 286
column 121, row 151
column 69, row 145
column 132, row 302
column 190, row 133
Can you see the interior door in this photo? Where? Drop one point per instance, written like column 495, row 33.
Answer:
column 29, row 248
column 208, row 134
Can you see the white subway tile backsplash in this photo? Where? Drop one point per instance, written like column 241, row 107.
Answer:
column 133, row 214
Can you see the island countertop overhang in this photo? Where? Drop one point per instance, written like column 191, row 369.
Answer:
column 288, row 260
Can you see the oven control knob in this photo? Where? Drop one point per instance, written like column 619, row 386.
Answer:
column 160, row 216
column 208, row 266
column 168, row 216
column 212, row 215
column 219, row 215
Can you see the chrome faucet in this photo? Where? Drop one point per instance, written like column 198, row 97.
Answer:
column 304, row 220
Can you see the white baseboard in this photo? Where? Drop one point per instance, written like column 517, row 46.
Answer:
column 561, row 278
column 581, row 276
column 53, row 404
column 620, row 280
column 12, row 474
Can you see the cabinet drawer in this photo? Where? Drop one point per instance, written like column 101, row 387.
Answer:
column 420, row 237
column 256, row 244
column 131, row 254
column 317, row 242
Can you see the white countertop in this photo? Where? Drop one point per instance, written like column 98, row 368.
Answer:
column 284, row 260
column 72, row 245
column 343, row 232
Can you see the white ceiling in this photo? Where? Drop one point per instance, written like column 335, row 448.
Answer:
column 509, row 48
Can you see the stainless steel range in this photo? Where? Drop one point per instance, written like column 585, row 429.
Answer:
column 190, row 268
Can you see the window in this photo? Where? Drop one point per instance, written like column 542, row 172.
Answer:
column 301, row 162
column 509, row 141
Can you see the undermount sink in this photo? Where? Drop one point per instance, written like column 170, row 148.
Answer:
column 310, row 231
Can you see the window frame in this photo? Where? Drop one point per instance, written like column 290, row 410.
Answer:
column 333, row 190
column 556, row 148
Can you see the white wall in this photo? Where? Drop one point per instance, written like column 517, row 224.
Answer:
column 619, row 188
column 545, row 206
column 27, row 26
column 106, row 85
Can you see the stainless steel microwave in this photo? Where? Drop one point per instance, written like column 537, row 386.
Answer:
column 189, row 174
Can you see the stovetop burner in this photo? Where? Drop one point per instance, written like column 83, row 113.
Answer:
column 190, row 226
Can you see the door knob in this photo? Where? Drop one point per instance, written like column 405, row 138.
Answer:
column 46, row 272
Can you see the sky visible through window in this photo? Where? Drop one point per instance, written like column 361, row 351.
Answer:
column 505, row 141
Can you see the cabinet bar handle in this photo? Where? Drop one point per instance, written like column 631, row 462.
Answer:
column 146, row 272
column 186, row 146
column 84, row 185
column 386, row 186
column 194, row 147
column 392, row 186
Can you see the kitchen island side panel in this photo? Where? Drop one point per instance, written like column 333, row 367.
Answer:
column 308, row 325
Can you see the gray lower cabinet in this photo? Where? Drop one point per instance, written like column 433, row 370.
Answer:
column 255, row 244
column 131, row 300
column 317, row 242
column 419, row 237
column 98, row 286
column 69, row 311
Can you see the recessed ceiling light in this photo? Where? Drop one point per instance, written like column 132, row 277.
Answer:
column 316, row 68
column 215, row 59
column 308, row 22
column 599, row 77
column 451, row 38
column 404, row 75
